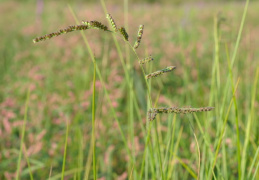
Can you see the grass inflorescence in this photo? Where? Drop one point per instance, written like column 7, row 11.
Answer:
column 95, row 25
column 73, row 126
column 185, row 110
column 160, row 72
column 98, row 25
column 60, row 32
column 124, row 33
column 112, row 22
column 152, row 112
column 146, row 60
column 139, row 37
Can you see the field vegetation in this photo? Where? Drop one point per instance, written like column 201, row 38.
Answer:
column 54, row 93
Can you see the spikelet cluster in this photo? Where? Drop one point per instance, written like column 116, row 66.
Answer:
column 123, row 32
column 61, row 31
column 146, row 60
column 95, row 25
column 154, row 111
column 160, row 72
column 151, row 114
column 139, row 37
column 111, row 20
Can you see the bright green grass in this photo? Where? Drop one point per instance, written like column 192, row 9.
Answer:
column 216, row 66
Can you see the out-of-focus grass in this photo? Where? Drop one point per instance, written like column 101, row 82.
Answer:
column 59, row 75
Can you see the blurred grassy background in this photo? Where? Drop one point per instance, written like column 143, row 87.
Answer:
column 59, row 75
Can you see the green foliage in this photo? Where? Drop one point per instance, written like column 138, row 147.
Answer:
column 60, row 73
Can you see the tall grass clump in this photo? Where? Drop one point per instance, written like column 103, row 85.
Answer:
column 148, row 92
column 152, row 111
column 128, row 93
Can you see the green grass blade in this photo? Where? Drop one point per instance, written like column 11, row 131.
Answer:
column 93, row 123
column 65, row 152
column 66, row 173
column 222, row 134
column 249, row 123
column 88, row 162
column 198, row 150
column 256, row 169
column 253, row 163
column 23, row 133
column 239, row 34
column 172, row 154
column 240, row 173
column 216, row 42
column 170, row 139
column 28, row 162
column 145, row 150
column 187, row 168
column 159, row 152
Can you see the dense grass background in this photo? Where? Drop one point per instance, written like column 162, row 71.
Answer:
column 59, row 76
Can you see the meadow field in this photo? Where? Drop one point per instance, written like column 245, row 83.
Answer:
column 75, row 106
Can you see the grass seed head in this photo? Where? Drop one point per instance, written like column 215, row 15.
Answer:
column 60, row 32
column 95, row 25
column 139, row 37
column 146, row 60
column 111, row 20
column 152, row 112
column 123, row 32
column 160, row 72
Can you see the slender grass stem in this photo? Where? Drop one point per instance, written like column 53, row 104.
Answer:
column 255, row 172
column 198, row 150
column 159, row 153
column 65, row 151
column 28, row 162
column 125, row 70
column 253, row 163
column 249, row 124
column 240, row 172
column 172, row 156
column 216, row 42
column 93, row 122
column 23, row 134
column 171, row 134
column 222, row 132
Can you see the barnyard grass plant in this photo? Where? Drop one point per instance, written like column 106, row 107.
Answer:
column 152, row 109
